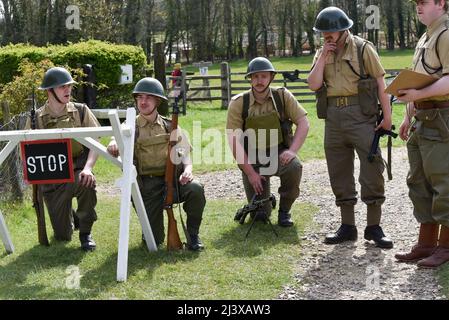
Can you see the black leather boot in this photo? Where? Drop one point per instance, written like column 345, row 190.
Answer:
column 376, row 234
column 87, row 242
column 346, row 232
column 285, row 219
column 195, row 243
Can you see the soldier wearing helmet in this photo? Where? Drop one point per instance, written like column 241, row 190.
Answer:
column 60, row 112
column 349, row 81
column 425, row 128
column 150, row 154
column 261, row 111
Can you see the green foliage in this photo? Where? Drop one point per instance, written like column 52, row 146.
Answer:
column 19, row 91
column 105, row 57
column 12, row 55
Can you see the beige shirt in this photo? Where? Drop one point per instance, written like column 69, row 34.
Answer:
column 147, row 130
column 70, row 111
column 427, row 46
column 293, row 110
column 338, row 76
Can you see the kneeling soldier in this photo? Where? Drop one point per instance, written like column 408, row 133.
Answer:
column 150, row 155
column 59, row 112
column 262, row 111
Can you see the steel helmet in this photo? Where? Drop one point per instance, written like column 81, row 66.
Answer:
column 259, row 64
column 332, row 19
column 150, row 86
column 56, row 77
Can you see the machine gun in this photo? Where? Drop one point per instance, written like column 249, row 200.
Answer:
column 255, row 207
column 375, row 145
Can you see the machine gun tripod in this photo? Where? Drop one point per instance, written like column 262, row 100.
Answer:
column 254, row 207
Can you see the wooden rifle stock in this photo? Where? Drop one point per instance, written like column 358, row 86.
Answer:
column 173, row 239
column 38, row 203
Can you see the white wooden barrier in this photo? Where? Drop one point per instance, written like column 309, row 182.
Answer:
column 124, row 135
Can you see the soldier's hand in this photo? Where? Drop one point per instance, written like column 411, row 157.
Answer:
column 408, row 95
column 186, row 177
column 286, row 157
column 256, row 181
column 404, row 128
column 328, row 47
column 87, row 179
column 113, row 149
column 385, row 124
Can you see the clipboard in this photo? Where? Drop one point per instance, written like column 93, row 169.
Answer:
column 408, row 79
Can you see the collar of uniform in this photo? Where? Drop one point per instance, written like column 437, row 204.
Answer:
column 142, row 122
column 252, row 99
column 435, row 26
column 350, row 48
column 69, row 107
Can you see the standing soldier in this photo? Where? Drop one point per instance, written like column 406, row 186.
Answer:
column 59, row 112
column 428, row 141
column 263, row 108
column 150, row 154
column 349, row 81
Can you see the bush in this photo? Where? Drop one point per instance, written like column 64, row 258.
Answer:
column 105, row 57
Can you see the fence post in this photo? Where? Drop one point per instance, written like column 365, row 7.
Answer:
column 159, row 73
column 12, row 169
column 184, row 91
column 225, row 85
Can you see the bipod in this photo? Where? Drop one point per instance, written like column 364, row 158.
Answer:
column 254, row 206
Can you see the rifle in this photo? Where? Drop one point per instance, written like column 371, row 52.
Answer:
column 375, row 145
column 173, row 240
column 38, row 203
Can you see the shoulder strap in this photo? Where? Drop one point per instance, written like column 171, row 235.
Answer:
column 167, row 124
column 245, row 108
column 81, row 110
column 279, row 103
column 430, row 69
column 360, row 44
column 436, row 45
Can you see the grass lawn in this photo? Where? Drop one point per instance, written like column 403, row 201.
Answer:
column 229, row 268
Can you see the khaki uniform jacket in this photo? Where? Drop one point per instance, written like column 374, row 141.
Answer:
column 151, row 149
column 70, row 111
column 338, row 76
column 293, row 110
column 427, row 47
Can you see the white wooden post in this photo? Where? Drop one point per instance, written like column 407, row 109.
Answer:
column 4, row 234
column 124, row 136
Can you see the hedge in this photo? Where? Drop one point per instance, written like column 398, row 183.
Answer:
column 105, row 57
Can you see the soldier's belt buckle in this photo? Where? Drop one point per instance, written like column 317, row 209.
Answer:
column 342, row 102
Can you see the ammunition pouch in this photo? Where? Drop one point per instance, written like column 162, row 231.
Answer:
column 368, row 96
column 434, row 124
column 287, row 133
column 321, row 102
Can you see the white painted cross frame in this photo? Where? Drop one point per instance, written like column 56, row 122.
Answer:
column 124, row 135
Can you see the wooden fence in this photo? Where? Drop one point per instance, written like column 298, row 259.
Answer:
column 232, row 83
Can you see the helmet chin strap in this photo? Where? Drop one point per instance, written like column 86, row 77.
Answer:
column 267, row 87
column 52, row 90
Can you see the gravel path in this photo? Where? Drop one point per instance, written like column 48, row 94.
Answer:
column 350, row 271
